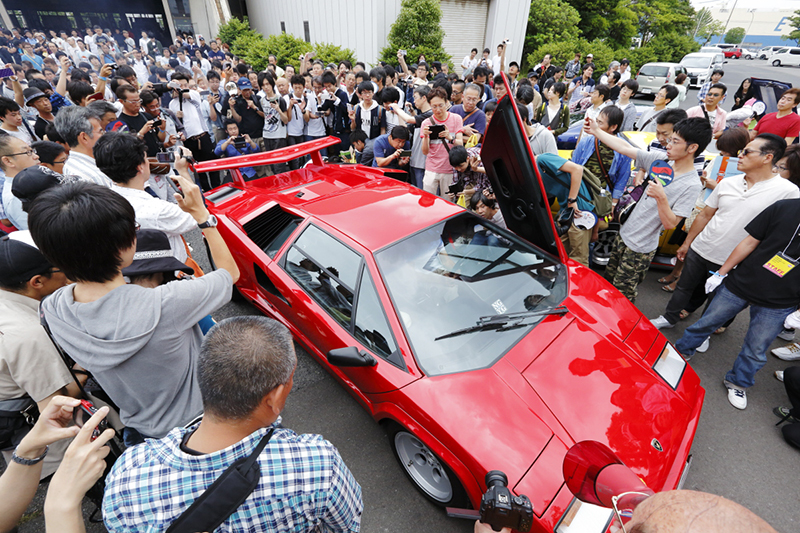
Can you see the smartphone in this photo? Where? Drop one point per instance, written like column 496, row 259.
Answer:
column 82, row 414
column 205, row 93
column 435, row 130
column 405, row 153
column 165, row 157
column 171, row 181
column 95, row 96
column 6, row 72
column 403, row 52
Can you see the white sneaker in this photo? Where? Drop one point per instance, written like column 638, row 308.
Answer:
column 786, row 335
column 661, row 323
column 736, row 395
column 779, row 375
column 790, row 352
column 703, row 348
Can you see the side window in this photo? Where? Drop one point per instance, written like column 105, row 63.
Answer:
column 327, row 270
column 372, row 329
column 795, row 51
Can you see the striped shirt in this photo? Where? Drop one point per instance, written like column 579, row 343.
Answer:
column 84, row 168
column 304, row 486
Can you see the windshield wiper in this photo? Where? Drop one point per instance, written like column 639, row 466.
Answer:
column 504, row 322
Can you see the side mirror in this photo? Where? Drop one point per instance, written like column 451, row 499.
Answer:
column 350, row 356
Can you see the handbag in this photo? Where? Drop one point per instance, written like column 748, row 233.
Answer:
column 628, row 201
column 564, row 220
column 224, row 496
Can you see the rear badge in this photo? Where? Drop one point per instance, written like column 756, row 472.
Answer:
column 657, row 445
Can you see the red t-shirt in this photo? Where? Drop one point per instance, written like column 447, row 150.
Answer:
column 788, row 126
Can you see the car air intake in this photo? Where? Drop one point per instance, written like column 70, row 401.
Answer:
column 271, row 229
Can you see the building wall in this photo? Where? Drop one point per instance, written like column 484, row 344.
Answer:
column 764, row 26
column 363, row 25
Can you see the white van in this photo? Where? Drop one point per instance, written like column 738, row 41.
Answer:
column 699, row 66
column 767, row 51
column 786, row 57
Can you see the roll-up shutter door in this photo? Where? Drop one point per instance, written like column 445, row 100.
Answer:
column 464, row 24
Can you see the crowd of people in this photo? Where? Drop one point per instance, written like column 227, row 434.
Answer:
column 96, row 131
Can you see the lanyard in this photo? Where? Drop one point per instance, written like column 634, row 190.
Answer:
column 791, row 241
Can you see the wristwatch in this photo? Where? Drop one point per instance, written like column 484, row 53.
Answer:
column 28, row 462
column 211, row 222
column 572, row 201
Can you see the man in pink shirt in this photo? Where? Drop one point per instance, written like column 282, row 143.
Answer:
column 710, row 109
column 438, row 171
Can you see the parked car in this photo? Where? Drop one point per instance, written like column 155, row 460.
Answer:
column 749, row 53
column 653, row 75
column 699, row 66
column 786, row 57
column 735, row 53
column 767, row 51
column 475, row 354
column 711, row 50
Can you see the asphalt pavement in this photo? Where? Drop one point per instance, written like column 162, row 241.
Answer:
column 737, row 454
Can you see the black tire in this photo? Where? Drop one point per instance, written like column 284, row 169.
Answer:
column 776, row 63
column 456, row 497
column 602, row 248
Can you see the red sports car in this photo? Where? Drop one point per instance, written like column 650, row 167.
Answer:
column 478, row 348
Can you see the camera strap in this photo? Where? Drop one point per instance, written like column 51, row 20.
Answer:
column 224, row 496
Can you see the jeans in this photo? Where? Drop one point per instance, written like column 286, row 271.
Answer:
column 765, row 324
column 418, row 175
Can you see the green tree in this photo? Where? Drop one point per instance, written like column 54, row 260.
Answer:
column 735, row 35
column 596, row 16
column 626, row 24
column 671, row 47
column 794, row 22
column 659, row 17
column 564, row 51
column 234, row 29
column 417, row 30
column 549, row 21
column 331, row 53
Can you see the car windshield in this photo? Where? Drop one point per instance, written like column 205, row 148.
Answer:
column 452, row 275
column 696, row 62
column 653, row 70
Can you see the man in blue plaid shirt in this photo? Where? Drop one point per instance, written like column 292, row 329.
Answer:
column 245, row 373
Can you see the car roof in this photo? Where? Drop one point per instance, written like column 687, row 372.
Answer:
column 662, row 64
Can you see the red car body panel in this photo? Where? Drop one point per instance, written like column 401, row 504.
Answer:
column 586, row 374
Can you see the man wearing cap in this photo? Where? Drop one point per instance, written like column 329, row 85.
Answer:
column 204, row 48
column 589, row 61
column 245, row 110
column 39, row 101
column 31, row 370
column 15, row 156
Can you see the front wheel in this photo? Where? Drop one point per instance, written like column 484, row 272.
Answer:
column 776, row 63
column 432, row 477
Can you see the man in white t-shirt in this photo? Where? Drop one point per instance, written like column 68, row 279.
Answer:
column 720, row 226
column 470, row 62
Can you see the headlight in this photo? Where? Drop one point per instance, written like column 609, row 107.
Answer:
column 670, row 366
column 583, row 517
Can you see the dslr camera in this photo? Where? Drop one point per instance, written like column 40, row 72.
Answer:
column 500, row 508
column 239, row 141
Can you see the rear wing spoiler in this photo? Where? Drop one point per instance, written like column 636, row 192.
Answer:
column 282, row 155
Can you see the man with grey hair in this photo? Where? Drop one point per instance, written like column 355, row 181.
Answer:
column 245, row 373
column 81, row 129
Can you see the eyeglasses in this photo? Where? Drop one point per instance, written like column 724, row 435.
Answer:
column 29, row 152
column 782, row 168
column 54, row 271
column 59, row 162
column 748, row 151
column 675, row 141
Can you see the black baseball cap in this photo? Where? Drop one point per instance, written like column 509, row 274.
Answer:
column 20, row 259
column 33, row 181
column 153, row 254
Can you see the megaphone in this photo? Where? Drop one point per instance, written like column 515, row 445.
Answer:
column 594, row 474
column 231, row 88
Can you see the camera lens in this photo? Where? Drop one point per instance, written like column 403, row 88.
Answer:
column 496, row 477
